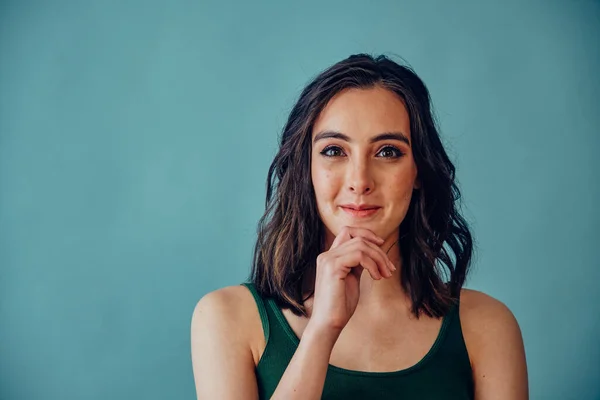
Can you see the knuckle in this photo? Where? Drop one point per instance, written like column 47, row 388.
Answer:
column 358, row 239
column 363, row 245
column 321, row 259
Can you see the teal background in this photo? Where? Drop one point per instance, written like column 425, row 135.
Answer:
column 135, row 138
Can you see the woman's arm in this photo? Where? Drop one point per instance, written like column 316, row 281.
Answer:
column 304, row 376
column 222, row 359
column 495, row 346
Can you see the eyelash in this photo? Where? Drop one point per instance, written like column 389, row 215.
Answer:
column 398, row 152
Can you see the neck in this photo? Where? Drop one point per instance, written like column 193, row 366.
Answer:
column 379, row 293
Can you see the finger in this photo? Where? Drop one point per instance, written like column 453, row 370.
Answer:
column 342, row 237
column 349, row 232
column 358, row 259
column 361, row 245
column 384, row 264
column 390, row 265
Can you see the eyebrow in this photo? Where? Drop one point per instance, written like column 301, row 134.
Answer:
column 382, row 136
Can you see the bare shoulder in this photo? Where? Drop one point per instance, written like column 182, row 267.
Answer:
column 480, row 311
column 229, row 311
column 224, row 329
column 495, row 345
column 486, row 321
column 227, row 303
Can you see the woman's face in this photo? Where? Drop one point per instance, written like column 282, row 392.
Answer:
column 362, row 166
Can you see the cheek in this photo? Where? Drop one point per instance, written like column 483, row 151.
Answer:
column 400, row 188
column 325, row 184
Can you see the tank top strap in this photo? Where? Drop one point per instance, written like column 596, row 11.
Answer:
column 454, row 346
column 262, row 309
column 279, row 349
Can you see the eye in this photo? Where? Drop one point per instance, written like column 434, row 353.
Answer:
column 332, row 151
column 390, row 152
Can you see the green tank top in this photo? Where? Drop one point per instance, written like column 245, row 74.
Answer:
column 444, row 372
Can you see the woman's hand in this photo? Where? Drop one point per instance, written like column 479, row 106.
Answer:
column 338, row 274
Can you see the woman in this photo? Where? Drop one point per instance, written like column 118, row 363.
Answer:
column 354, row 294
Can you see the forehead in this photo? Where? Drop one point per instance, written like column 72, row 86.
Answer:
column 364, row 113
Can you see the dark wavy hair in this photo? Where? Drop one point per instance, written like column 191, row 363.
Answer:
column 291, row 234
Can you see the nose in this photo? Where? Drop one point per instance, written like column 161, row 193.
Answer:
column 360, row 179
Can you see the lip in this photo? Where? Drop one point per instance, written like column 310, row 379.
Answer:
column 361, row 211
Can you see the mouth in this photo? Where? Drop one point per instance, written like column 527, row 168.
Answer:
column 360, row 211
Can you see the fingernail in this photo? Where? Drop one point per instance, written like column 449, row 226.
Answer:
column 393, row 266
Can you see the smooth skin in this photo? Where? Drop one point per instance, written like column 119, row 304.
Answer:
column 359, row 304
